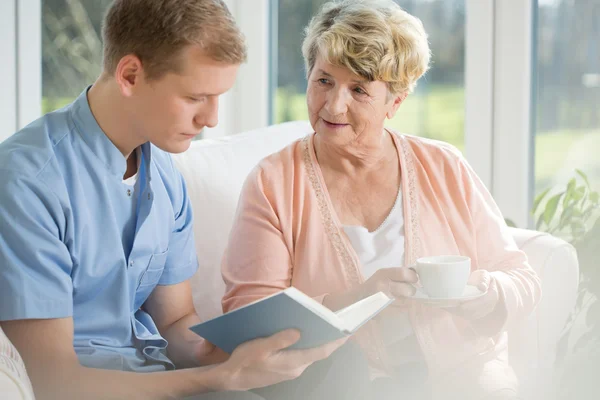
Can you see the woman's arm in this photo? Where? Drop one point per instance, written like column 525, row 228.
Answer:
column 258, row 260
column 517, row 283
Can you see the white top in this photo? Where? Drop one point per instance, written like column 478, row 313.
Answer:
column 131, row 181
column 384, row 248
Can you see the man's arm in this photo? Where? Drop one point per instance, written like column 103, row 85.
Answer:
column 46, row 346
column 173, row 312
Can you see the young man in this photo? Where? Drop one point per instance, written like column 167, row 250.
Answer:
column 96, row 243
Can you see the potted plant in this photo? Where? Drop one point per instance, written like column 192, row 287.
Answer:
column 572, row 214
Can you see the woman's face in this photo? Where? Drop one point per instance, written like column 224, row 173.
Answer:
column 345, row 108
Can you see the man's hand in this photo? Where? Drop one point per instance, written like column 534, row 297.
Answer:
column 264, row 362
column 207, row 353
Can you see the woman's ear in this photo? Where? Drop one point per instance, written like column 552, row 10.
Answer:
column 396, row 101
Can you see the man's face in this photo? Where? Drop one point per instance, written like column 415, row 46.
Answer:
column 171, row 111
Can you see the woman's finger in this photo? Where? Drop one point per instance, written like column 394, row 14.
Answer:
column 481, row 279
column 402, row 290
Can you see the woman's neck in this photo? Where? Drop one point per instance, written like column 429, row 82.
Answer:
column 355, row 158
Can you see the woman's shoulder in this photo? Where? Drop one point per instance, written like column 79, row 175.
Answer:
column 282, row 165
column 427, row 147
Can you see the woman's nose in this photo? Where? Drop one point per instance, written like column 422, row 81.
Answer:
column 337, row 102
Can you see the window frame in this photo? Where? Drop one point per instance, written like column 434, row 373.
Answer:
column 8, row 68
column 498, row 94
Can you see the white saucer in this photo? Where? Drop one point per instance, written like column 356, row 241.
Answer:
column 470, row 293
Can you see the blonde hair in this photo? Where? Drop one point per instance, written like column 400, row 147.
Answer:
column 156, row 31
column 375, row 39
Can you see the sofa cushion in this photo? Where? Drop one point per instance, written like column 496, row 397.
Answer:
column 214, row 171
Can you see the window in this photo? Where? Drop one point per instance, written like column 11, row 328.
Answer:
column 436, row 108
column 71, row 48
column 568, row 92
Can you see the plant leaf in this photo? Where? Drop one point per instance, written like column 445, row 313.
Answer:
column 567, row 200
column 577, row 229
column 586, row 341
column 551, row 207
column 539, row 222
column 592, row 317
column 566, row 217
column 510, row 222
column 583, row 176
column 594, row 197
column 578, row 193
column 538, row 200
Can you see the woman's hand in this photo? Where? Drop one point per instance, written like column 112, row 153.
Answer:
column 483, row 306
column 394, row 282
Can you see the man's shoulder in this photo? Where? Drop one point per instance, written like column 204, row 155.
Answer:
column 163, row 162
column 30, row 150
column 169, row 177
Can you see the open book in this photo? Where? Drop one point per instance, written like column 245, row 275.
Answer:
column 289, row 308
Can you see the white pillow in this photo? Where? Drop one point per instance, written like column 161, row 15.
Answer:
column 214, row 171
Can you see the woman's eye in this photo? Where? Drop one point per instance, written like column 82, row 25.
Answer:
column 323, row 81
column 359, row 90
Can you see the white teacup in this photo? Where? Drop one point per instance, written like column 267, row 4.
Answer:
column 443, row 276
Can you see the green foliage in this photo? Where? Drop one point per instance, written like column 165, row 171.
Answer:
column 570, row 213
column 573, row 214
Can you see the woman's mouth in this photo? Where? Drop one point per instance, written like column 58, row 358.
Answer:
column 334, row 125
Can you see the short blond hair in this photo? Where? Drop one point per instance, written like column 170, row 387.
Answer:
column 375, row 39
column 156, row 31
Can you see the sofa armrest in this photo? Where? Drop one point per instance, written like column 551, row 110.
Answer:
column 532, row 344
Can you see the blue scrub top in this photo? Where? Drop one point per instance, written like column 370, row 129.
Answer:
column 76, row 241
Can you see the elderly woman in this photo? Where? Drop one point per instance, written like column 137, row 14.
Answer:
column 341, row 213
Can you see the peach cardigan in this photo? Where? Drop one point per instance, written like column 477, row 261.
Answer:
column 286, row 233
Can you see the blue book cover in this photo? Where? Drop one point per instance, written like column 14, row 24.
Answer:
column 287, row 309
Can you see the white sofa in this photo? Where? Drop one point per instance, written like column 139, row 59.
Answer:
column 14, row 383
column 215, row 170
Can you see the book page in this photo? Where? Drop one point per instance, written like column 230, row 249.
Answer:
column 360, row 312
column 315, row 307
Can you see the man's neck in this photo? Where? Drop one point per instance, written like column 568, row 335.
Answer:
column 107, row 108
column 132, row 165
